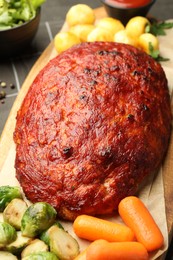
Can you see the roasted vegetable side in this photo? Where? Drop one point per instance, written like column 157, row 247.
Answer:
column 32, row 232
column 63, row 244
column 19, row 244
column 7, row 256
column 45, row 234
column 7, row 234
column 35, row 247
column 14, row 211
column 7, row 194
column 60, row 242
column 37, row 218
column 41, row 256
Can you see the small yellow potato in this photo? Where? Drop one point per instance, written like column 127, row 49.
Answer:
column 111, row 24
column 136, row 26
column 145, row 39
column 122, row 37
column 100, row 34
column 80, row 14
column 82, row 31
column 65, row 40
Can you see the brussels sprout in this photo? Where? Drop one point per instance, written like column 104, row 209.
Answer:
column 36, row 246
column 63, row 244
column 7, row 193
column 41, row 256
column 19, row 244
column 7, row 234
column 14, row 211
column 1, row 218
column 37, row 218
column 7, row 256
column 45, row 234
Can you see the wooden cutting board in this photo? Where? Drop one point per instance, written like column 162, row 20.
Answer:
column 7, row 145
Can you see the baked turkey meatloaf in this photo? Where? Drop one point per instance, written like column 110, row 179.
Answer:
column 94, row 123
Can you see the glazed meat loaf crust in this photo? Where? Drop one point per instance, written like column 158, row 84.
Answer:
column 95, row 122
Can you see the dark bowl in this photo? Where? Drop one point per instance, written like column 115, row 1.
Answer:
column 125, row 14
column 15, row 40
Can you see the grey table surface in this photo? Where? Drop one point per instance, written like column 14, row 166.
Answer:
column 15, row 69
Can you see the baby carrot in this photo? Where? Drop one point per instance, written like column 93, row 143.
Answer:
column 92, row 228
column 138, row 218
column 103, row 250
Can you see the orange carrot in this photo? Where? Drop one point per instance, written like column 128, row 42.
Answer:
column 103, row 250
column 137, row 217
column 92, row 228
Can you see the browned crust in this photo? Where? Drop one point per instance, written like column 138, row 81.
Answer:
column 94, row 123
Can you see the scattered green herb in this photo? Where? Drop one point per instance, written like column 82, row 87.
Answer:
column 16, row 12
column 156, row 54
column 158, row 28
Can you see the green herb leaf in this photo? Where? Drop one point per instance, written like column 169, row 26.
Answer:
column 160, row 58
column 155, row 54
column 158, row 28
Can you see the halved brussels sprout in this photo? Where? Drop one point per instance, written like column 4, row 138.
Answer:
column 7, row 193
column 19, row 244
column 63, row 244
column 41, row 256
column 36, row 246
column 45, row 234
column 14, row 211
column 37, row 218
column 7, row 234
column 7, row 256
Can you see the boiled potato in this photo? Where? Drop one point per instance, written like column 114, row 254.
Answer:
column 111, row 24
column 80, row 14
column 144, row 41
column 99, row 34
column 65, row 40
column 136, row 26
column 122, row 37
column 82, row 31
